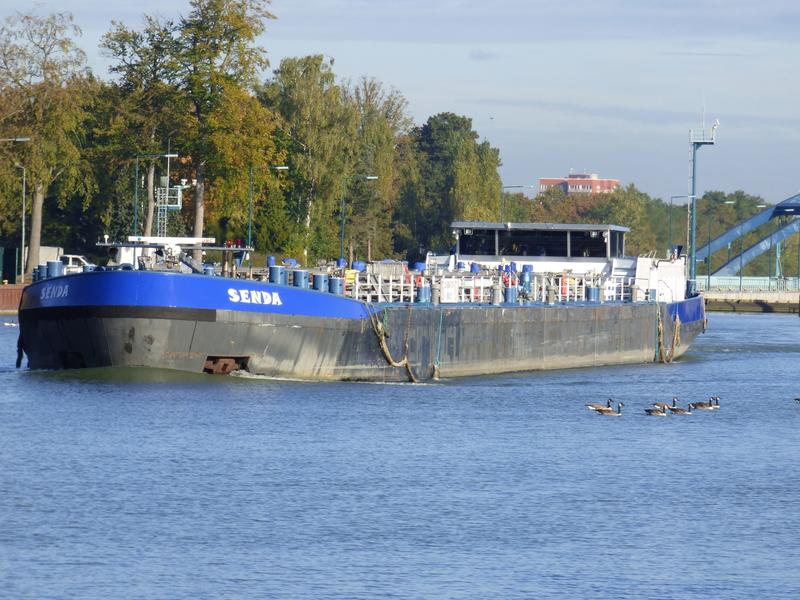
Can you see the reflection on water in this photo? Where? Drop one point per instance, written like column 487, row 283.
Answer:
column 140, row 483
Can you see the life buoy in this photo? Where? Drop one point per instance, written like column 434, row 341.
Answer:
column 418, row 281
column 505, row 279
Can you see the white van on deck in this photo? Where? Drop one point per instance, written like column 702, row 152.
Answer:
column 74, row 263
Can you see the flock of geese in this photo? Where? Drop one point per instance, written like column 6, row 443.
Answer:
column 659, row 409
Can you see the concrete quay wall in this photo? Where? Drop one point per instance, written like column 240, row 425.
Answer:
column 753, row 302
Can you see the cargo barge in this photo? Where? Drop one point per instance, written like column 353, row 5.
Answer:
column 510, row 297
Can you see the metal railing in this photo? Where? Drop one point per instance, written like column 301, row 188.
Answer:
column 479, row 287
column 748, row 284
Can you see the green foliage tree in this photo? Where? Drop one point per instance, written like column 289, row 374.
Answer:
column 320, row 128
column 628, row 206
column 454, row 178
column 518, row 208
column 149, row 108
column 382, row 121
column 43, row 74
column 241, row 150
column 216, row 53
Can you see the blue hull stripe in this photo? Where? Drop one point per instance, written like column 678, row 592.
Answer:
column 689, row 310
column 153, row 288
column 180, row 290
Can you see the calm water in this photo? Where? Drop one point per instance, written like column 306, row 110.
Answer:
column 120, row 485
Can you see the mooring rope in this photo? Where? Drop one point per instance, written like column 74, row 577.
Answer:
column 676, row 334
column 381, row 332
column 659, row 335
column 437, row 361
column 661, row 352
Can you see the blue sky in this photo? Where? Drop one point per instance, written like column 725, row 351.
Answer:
column 605, row 86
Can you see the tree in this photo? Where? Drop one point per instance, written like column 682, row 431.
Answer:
column 149, row 107
column 216, row 53
column 628, row 207
column 319, row 128
column 43, row 70
column 241, row 148
column 453, row 177
column 382, row 122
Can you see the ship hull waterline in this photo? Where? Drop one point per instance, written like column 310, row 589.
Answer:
column 93, row 320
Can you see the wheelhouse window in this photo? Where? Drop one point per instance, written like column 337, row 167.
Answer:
column 533, row 243
column 552, row 241
column 588, row 244
column 477, row 243
column 617, row 244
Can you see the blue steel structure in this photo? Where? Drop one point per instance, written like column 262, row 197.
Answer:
column 765, row 244
column 788, row 208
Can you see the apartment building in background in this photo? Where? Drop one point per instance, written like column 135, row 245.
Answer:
column 579, row 183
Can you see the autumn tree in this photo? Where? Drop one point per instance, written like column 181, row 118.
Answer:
column 44, row 72
column 216, row 54
column 241, row 154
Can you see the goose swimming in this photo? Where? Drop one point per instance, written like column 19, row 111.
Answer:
column 608, row 412
column 664, row 405
column 659, row 411
column 598, row 406
column 703, row 405
column 681, row 411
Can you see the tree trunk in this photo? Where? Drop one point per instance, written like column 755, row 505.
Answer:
column 199, row 192
column 36, row 227
column 151, row 201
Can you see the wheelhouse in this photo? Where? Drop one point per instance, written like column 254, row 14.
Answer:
column 530, row 240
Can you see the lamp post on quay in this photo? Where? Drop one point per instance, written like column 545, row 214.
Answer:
column 354, row 177
column 22, row 258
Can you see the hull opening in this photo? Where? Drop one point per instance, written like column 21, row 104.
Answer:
column 225, row 365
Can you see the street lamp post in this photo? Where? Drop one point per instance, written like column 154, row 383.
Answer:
column 341, row 241
column 22, row 258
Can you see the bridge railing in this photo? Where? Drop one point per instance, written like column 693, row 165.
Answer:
column 748, row 284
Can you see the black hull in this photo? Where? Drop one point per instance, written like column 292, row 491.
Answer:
column 420, row 342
